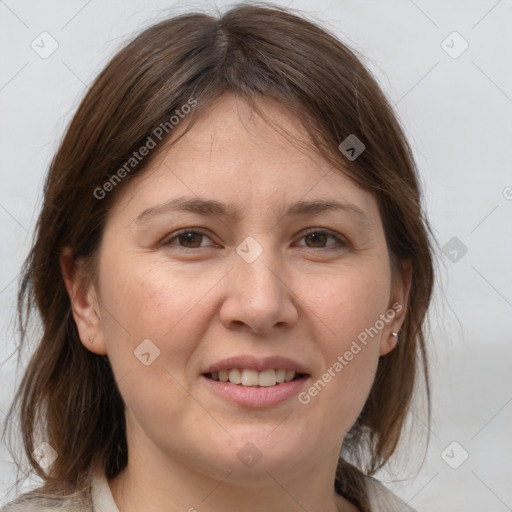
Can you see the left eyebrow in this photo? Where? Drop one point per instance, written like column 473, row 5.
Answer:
column 210, row 207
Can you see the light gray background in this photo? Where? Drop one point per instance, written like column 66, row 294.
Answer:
column 458, row 115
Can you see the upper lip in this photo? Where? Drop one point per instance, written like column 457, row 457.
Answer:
column 257, row 363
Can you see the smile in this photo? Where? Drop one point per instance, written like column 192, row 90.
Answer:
column 254, row 381
column 250, row 377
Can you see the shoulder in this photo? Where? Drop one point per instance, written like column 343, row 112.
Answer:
column 382, row 499
column 94, row 496
column 34, row 501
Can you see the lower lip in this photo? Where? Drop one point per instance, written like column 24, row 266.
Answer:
column 256, row 396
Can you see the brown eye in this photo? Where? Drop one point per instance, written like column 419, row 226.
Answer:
column 192, row 238
column 317, row 239
column 187, row 239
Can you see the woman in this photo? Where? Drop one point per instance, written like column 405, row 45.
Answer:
column 232, row 268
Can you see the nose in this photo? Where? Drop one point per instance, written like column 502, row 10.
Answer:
column 258, row 297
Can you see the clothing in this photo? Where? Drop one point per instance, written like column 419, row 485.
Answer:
column 381, row 500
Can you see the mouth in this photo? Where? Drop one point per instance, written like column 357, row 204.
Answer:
column 248, row 377
column 253, row 382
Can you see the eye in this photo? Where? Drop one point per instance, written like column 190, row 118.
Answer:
column 192, row 238
column 318, row 238
column 187, row 238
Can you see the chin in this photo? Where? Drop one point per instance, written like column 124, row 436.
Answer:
column 256, row 453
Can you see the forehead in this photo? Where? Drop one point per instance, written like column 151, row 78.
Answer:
column 235, row 157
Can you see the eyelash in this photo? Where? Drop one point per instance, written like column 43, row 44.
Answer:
column 168, row 240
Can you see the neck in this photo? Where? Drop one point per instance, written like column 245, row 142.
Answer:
column 154, row 483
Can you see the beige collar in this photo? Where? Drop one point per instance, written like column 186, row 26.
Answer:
column 102, row 498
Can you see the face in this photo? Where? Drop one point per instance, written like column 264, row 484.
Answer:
column 190, row 293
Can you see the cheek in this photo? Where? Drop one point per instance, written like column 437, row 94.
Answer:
column 137, row 308
column 349, row 306
column 352, row 301
column 149, row 300
column 158, row 407
column 149, row 323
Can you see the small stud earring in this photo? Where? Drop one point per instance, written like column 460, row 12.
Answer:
column 395, row 334
column 91, row 339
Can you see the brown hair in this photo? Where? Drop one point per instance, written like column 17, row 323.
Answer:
column 68, row 395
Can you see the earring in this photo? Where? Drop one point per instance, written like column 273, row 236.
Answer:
column 395, row 334
column 91, row 339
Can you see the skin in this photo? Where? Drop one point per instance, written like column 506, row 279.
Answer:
column 303, row 298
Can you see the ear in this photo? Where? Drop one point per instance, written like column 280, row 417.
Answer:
column 397, row 307
column 84, row 303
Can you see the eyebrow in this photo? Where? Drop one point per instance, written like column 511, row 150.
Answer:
column 210, row 207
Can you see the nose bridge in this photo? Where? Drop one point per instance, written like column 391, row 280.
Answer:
column 257, row 265
column 258, row 295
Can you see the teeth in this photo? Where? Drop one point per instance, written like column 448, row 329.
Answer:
column 280, row 375
column 249, row 377
column 267, row 378
column 234, row 376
